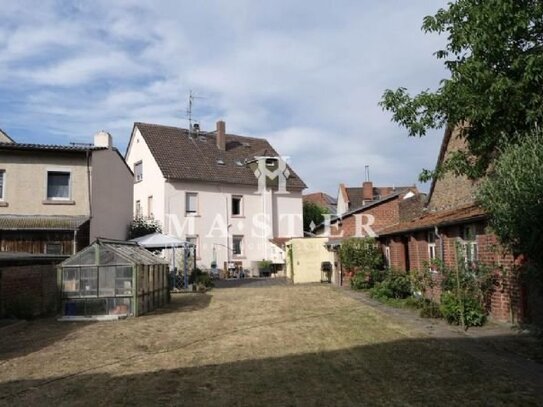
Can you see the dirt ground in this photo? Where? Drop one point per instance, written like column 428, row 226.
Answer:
column 284, row 345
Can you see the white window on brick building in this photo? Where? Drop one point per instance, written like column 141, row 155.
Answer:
column 469, row 244
column 387, row 255
column 432, row 246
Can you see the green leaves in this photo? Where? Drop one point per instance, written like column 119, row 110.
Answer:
column 495, row 58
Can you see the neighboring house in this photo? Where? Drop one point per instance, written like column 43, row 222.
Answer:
column 202, row 187
column 374, row 216
column 4, row 138
column 56, row 199
column 453, row 229
column 352, row 198
column 322, row 199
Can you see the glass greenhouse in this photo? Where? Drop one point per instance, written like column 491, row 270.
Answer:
column 113, row 278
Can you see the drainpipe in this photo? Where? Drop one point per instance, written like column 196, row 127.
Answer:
column 89, row 188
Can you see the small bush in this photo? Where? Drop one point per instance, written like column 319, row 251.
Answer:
column 451, row 309
column 361, row 281
column 200, row 278
column 429, row 309
column 393, row 286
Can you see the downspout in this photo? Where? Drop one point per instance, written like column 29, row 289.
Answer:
column 89, row 188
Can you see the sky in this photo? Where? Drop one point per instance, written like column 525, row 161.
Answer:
column 307, row 75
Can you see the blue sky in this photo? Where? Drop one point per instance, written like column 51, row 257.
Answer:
column 307, row 75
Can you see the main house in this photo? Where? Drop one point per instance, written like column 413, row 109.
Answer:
column 206, row 188
column 56, row 199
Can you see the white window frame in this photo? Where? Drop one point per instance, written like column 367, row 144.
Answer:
column 150, row 206
column 3, row 193
column 195, row 212
column 140, row 178
column 470, row 248
column 241, row 251
column 432, row 248
column 70, row 184
column 387, row 255
column 137, row 208
column 240, row 197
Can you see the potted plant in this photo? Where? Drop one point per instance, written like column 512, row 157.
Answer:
column 264, row 268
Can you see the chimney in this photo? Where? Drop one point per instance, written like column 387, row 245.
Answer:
column 221, row 137
column 367, row 191
column 103, row 139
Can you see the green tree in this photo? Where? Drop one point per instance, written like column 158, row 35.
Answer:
column 141, row 226
column 495, row 57
column 313, row 213
column 513, row 196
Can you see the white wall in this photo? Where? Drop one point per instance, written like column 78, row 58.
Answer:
column 112, row 196
column 304, row 264
column 152, row 183
column 215, row 226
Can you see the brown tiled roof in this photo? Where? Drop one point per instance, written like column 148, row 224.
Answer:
column 322, row 199
column 196, row 158
column 355, row 194
column 38, row 222
column 440, row 218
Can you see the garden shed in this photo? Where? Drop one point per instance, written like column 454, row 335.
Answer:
column 112, row 279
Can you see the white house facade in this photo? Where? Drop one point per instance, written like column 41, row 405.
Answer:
column 202, row 188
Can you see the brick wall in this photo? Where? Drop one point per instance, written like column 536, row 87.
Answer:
column 509, row 300
column 384, row 215
column 28, row 289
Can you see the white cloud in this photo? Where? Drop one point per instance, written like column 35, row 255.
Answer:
column 306, row 75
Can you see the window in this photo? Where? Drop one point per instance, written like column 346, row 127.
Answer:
column 387, row 256
column 138, row 171
column 236, row 206
column 237, row 245
column 150, row 206
column 431, row 245
column 2, row 184
column 58, row 185
column 53, row 248
column 194, row 241
column 138, row 209
column 469, row 243
column 191, row 203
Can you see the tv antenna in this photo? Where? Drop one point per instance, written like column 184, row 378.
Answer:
column 192, row 97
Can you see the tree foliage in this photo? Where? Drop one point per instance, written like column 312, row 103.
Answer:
column 141, row 226
column 494, row 53
column 513, row 196
column 313, row 213
column 360, row 254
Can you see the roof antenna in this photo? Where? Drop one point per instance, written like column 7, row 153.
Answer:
column 192, row 126
column 367, row 173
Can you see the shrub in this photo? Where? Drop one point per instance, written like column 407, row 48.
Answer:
column 361, row 254
column 393, row 286
column 141, row 226
column 200, row 278
column 361, row 281
column 452, row 308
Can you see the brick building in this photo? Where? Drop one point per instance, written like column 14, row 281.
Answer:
column 373, row 216
column 452, row 226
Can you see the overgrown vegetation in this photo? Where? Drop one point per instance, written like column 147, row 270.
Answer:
column 464, row 290
column 362, row 257
column 200, row 279
column 513, row 196
column 141, row 226
column 313, row 214
column 494, row 54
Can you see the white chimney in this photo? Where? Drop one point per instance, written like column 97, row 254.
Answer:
column 103, row 139
column 221, row 135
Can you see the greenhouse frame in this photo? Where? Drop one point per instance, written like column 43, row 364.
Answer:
column 112, row 279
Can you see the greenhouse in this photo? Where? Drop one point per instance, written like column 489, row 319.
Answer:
column 112, row 279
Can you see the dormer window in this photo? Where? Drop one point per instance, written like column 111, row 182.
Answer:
column 271, row 162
